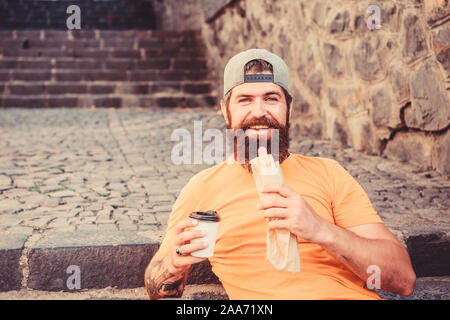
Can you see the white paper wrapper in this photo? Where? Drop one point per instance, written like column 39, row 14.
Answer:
column 282, row 248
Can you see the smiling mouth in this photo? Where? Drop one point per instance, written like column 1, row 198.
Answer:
column 259, row 127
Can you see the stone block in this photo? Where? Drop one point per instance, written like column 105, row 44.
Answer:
column 213, row 7
column 31, row 76
column 119, row 43
column 66, row 88
column 132, row 88
column 365, row 58
column 11, row 246
column 315, row 83
column 33, row 64
column 430, row 254
column 157, row 64
column 68, row 76
column 112, row 75
column 108, row 102
column 413, row 147
column 141, row 75
column 101, row 88
column 165, row 102
column 125, row 54
column 441, row 44
column 340, row 23
column 62, row 102
column 36, row 102
column 168, row 87
column 110, row 258
column 381, row 108
column 399, row 82
column 333, row 59
column 443, row 153
column 23, row 89
column 414, row 38
column 201, row 273
column 436, row 10
column 430, row 105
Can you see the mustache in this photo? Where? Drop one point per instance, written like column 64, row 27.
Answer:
column 270, row 123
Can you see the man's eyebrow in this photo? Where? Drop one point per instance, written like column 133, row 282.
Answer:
column 272, row 92
column 243, row 95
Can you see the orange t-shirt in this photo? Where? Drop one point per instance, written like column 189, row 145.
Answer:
column 239, row 255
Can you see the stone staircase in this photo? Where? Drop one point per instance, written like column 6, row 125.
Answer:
column 103, row 68
column 95, row 14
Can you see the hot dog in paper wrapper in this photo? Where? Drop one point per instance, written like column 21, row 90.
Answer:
column 282, row 251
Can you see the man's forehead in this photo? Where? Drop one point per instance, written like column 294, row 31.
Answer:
column 256, row 88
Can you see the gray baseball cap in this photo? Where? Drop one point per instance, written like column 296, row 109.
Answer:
column 234, row 70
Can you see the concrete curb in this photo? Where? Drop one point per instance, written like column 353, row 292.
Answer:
column 101, row 259
column 119, row 258
column 10, row 253
column 430, row 254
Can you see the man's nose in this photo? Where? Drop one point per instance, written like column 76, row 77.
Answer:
column 259, row 109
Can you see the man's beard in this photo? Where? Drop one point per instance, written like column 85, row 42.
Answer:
column 280, row 135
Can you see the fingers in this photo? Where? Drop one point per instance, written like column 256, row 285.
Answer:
column 187, row 249
column 187, row 236
column 272, row 200
column 183, row 224
column 281, row 189
column 184, row 241
column 280, row 213
column 278, row 224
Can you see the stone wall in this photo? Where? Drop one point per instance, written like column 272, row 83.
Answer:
column 383, row 91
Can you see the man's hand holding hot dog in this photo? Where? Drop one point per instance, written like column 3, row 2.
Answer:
column 290, row 211
column 356, row 247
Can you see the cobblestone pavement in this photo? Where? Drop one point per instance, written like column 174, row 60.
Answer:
column 111, row 170
column 108, row 169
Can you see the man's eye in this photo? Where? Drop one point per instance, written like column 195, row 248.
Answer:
column 272, row 99
column 244, row 100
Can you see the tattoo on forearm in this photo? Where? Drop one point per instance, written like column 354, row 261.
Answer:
column 160, row 283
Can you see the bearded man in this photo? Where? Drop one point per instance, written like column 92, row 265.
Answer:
column 339, row 235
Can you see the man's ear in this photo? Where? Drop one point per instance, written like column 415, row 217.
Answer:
column 223, row 108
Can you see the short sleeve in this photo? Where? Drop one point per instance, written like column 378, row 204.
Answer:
column 350, row 203
column 183, row 206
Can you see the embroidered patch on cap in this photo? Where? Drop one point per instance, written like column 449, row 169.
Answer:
column 258, row 78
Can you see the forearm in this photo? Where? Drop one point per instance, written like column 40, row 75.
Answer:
column 162, row 280
column 358, row 253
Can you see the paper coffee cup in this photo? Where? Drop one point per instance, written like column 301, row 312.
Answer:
column 208, row 221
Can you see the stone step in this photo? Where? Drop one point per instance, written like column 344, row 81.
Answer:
column 115, row 258
column 149, row 63
column 168, row 100
column 191, row 292
column 118, row 259
column 49, row 34
column 123, row 43
column 427, row 288
column 186, row 52
column 102, row 75
column 105, row 87
column 95, row 14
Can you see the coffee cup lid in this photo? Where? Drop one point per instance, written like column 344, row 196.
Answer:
column 209, row 215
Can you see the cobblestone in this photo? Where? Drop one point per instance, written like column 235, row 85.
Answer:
column 110, row 169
